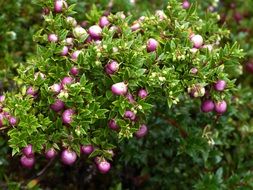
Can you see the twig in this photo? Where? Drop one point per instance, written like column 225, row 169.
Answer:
column 3, row 128
column 45, row 168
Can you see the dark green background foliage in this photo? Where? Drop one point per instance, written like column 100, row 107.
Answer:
column 184, row 149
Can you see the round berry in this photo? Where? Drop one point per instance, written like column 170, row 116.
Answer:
column 119, row 88
column 207, row 106
column 152, row 45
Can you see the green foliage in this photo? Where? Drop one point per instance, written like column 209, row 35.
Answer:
column 184, row 149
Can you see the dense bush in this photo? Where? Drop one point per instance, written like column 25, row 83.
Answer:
column 185, row 147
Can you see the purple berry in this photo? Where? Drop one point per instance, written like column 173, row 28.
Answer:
column 130, row 115
column 130, row 98
column 112, row 125
column 59, row 5
column 74, row 71
column 104, row 166
column 143, row 130
column 67, row 116
column 50, row 153
column 142, row 93
column 52, row 38
column 152, row 45
column 95, row 32
column 220, row 85
column 238, row 17
column 103, row 22
column 119, row 88
column 112, row 67
column 87, row 149
column 27, row 162
column 68, row 157
column 28, row 151
column 249, row 67
column 220, row 107
column 207, row 106
column 57, row 106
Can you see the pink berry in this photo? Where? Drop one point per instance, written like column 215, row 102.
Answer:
column 50, row 153
column 95, row 32
column 207, row 106
column 2, row 98
column 220, row 107
column 31, row 91
column 104, row 166
column 220, row 85
column 68, row 157
column 103, row 22
column 197, row 41
column 186, row 4
column 27, row 162
column 87, row 149
column 160, row 14
column 142, row 93
column 67, row 116
column 67, row 80
column 119, row 88
column 84, row 23
column 152, row 45
column 64, row 51
column 12, row 121
column 114, row 29
column 135, row 26
column 52, row 38
column 112, row 125
column 69, row 42
column 59, row 5
column 194, row 70
column 112, row 67
column 57, row 106
column 143, row 130
column 75, row 55
column 28, row 151
column 56, row 88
